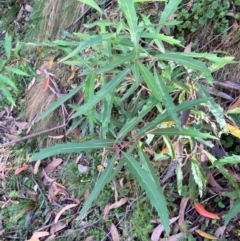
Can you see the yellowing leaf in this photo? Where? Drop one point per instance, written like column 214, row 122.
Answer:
column 50, row 64
column 234, row 130
column 165, row 150
column 205, row 235
column 74, row 69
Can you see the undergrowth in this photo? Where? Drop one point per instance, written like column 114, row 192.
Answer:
column 140, row 97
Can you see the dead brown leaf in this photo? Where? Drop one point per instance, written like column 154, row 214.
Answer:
column 86, row 194
column 56, row 227
column 189, row 5
column 28, row 8
column 106, row 211
column 114, row 233
column 89, row 238
column 36, row 167
column 115, row 190
column 53, row 165
column 46, row 177
column 159, row 229
column 188, row 48
column 182, row 208
column 220, row 231
column 119, row 203
column 63, row 210
column 235, row 105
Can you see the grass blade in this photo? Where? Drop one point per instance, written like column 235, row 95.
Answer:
column 152, row 189
column 8, row 45
column 235, row 209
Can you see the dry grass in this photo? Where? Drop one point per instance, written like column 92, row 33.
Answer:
column 58, row 14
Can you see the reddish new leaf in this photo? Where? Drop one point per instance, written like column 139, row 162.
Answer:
column 202, row 211
column 21, row 169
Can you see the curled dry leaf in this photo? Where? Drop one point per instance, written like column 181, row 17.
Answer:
column 159, row 229
column 234, row 105
column 205, row 235
column 202, row 211
column 63, row 210
column 114, row 233
column 106, row 211
column 40, row 234
column 182, row 208
column 21, row 169
column 46, row 177
column 36, row 167
column 220, row 231
column 119, row 203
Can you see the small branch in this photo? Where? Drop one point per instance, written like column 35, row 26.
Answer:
column 31, row 136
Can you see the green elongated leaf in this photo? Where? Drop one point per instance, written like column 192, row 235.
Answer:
column 179, row 175
column 151, row 81
column 216, row 109
column 60, row 101
column 71, row 147
column 101, row 182
column 162, row 37
column 165, row 115
column 7, row 81
column 234, row 210
column 189, row 62
column 131, row 16
column 149, row 1
column 101, row 94
column 212, row 57
column 152, row 189
column 92, row 4
column 147, row 166
column 92, row 41
column 99, row 23
column 169, row 9
column 167, row 100
column 16, row 71
column 129, row 125
column 106, row 116
column 198, row 176
column 184, row 132
column 116, row 62
column 222, row 170
column 8, row 45
column 229, row 160
column 7, row 93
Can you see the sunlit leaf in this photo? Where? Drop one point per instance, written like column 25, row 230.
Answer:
column 205, row 235
column 234, row 130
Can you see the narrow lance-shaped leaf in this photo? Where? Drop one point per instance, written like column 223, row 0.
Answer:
column 71, row 147
column 152, row 189
column 184, row 132
column 16, row 71
column 92, row 4
column 101, row 94
column 60, row 101
column 234, row 210
column 151, row 81
column 101, row 182
column 216, row 109
column 167, row 100
column 127, row 7
column 165, row 115
column 8, row 45
column 189, row 62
